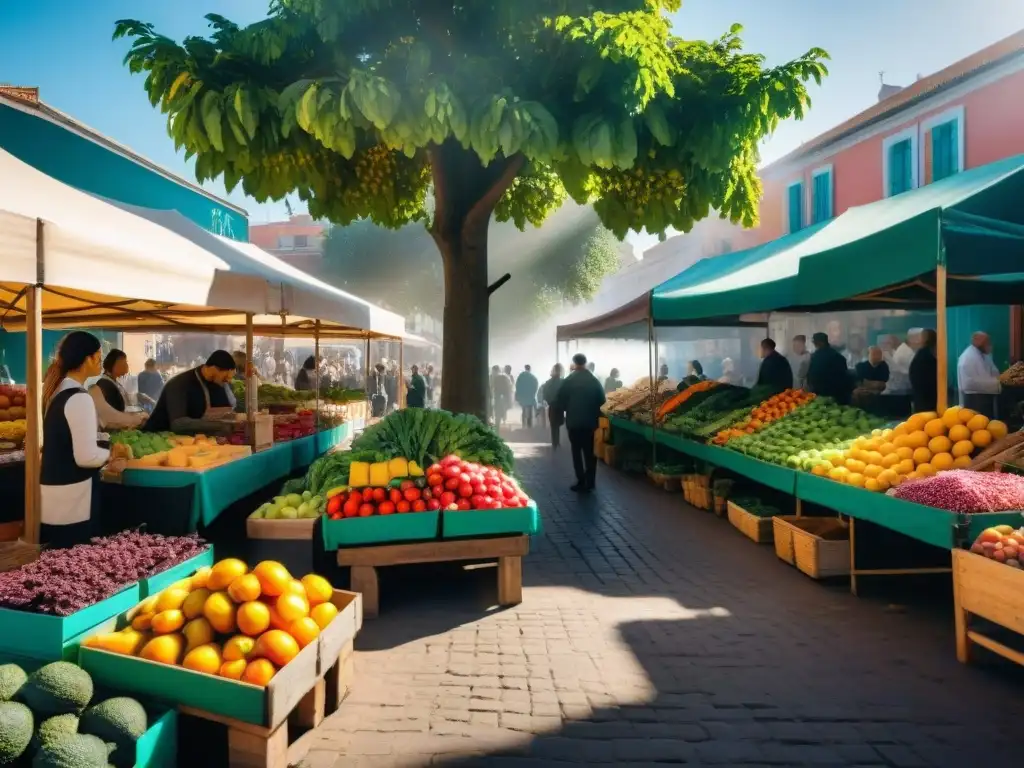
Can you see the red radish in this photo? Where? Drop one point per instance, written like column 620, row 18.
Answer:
column 465, row 490
column 476, row 501
column 365, row 510
column 433, row 504
column 435, row 479
column 419, row 505
column 406, row 485
column 452, row 483
column 479, row 489
column 394, row 495
column 386, row 508
column 452, row 471
column 462, row 504
column 403, row 506
column 412, row 494
column 447, row 498
column 493, row 490
column 434, row 469
column 351, row 508
column 334, row 505
column 379, row 494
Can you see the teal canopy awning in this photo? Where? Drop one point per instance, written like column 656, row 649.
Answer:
column 879, row 255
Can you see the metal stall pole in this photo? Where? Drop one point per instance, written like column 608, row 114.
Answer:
column 941, row 333
column 401, row 374
column 33, row 394
column 651, row 348
column 250, row 397
column 316, row 374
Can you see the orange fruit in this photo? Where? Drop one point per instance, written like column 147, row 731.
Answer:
column 304, row 630
column 962, row 448
column 273, row 577
column 997, row 428
column 253, row 618
column 144, row 621
column 147, row 606
column 905, row 467
column 205, row 658
column 193, row 605
column 942, row 461
column 295, row 586
column 292, row 606
column 940, row 444
column 238, row 647
column 918, row 439
column 951, row 416
column 925, row 470
column 244, row 588
column 922, row 456
column 981, row 438
column 959, row 432
column 171, row 599
column 224, row 572
column 276, row 645
column 220, row 611
column 906, row 452
column 976, row 422
column 232, row 669
column 966, row 414
column 323, row 614
column 961, row 462
column 318, row 589
column 166, row 622
column 164, row 649
column 936, row 427
column 201, row 577
column 198, row 632
column 258, row 672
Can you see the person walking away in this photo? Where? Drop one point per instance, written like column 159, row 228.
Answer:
column 416, row 394
column 151, row 383
column 581, row 398
column 428, row 379
column 613, row 382
column 977, row 376
column 195, row 400
column 378, row 392
column 501, row 392
column 662, row 373
column 799, row 361
column 775, row 371
column 899, row 366
column 391, row 386
column 109, row 396
column 728, row 372
column 549, row 394
column 923, row 373
column 827, row 374
column 72, row 450
column 526, row 395
column 304, row 379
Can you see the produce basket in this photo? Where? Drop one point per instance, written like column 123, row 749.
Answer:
column 463, row 524
column 992, row 591
column 610, row 455
column 261, row 528
column 817, row 546
column 381, row 529
column 663, row 480
column 756, row 527
column 721, row 490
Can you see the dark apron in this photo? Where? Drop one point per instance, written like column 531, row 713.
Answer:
column 983, row 404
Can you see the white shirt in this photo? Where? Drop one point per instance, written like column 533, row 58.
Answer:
column 899, row 371
column 976, row 374
column 109, row 416
column 799, row 363
column 67, row 504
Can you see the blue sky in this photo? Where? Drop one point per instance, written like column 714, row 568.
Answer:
column 64, row 47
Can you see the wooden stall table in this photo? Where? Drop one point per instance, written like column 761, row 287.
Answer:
column 507, row 550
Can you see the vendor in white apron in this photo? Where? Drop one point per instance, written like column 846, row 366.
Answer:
column 109, row 396
column 196, row 400
column 72, row 450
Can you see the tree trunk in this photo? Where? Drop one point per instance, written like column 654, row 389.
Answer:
column 465, row 194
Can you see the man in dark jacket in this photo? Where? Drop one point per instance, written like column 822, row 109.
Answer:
column 774, row 371
column 416, row 394
column 827, row 375
column 924, row 374
column 580, row 398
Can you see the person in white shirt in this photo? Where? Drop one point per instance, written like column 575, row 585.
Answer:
column 72, row 454
column 977, row 377
column 899, row 364
column 110, row 397
column 799, row 360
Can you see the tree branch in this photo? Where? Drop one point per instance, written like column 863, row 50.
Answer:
column 482, row 209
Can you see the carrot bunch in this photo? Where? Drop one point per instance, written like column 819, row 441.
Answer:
column 775, row 407
column 671, row 404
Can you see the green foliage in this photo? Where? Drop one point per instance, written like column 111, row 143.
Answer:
column 345, row 102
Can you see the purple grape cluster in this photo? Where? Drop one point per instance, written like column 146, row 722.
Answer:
column 63, row 581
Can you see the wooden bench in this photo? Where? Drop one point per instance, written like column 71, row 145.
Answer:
column 507, row 550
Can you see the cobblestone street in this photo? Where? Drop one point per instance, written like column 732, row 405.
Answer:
column 653, row 633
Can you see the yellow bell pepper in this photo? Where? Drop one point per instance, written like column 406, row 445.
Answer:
column 359, row 474
column 398, row 468
column 379, row 476
column 415, row 470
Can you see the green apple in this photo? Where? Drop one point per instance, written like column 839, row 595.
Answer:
column 288, row 513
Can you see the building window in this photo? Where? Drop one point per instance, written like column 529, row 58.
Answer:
column 823, row 194
column 302, row 241
column 943, row 144
column 899, row 162
column 795, row 206
column 285, row 242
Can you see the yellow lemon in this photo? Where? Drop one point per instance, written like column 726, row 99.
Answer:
column 922, row 456
column 942, row 461
column 998, row 429
column 941, row 444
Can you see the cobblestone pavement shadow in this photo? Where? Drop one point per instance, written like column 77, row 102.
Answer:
column 652, row 633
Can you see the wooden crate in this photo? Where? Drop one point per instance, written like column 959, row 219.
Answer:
column 721, row 506
column 254, row 746
column 755, row 527
column 670, row 483
column 611, row 457
column 989, row 589
column 279, row 529
column 817, row 546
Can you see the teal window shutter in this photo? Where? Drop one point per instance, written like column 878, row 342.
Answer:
column 796, row 207
column 901, row 173
column 822, row 208
column 945, row 150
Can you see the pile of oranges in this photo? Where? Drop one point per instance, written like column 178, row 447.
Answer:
column 228, row 621
column 775, row 407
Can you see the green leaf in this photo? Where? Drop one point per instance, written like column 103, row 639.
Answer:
column 305, row 114
column 210, row 108
column 246, row 111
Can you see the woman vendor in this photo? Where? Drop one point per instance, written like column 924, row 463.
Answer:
column 109, row 396
column 72, row 451
column 196, row 400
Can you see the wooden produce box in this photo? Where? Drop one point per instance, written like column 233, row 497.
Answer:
column 817, row 546
column 670, row 483
column 610, row 455
column 992, row 591
column 265, row 707
column 755, row 527
column 280, row 529
column 230, row 453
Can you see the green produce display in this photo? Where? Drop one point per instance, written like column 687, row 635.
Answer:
column 798, row 439
column 719, row 408
column 120, row 721
column 58, row 688
column 53, row 728
column 143, row 443
column 12, row 677
column 16, row 725
column 755, row 506
column 292, row 506
column 76, row 751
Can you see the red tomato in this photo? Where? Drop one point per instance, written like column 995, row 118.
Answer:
column 462, row 504
column 351, row 508
column 355, row 495
column 447, row 498
column 477, row 501
column 465, row 478
column 447, row 461
column 365, row 510
column 493, row 504
column 406, row 485
column 513, row 502
column 508, row 491
column 394, row 495
column 434, row 469
column 386, row 508
column 493, row 476
column 493, row 490
column 419, row 506
column 435, row 478
column 523, row 499
column 465, row 490
column 334, row 505
column 433, row 504
column 452, row 471
column 479, row 489
column 452, row 483
column 379, row 494
column 412, row 494
column 403, row 506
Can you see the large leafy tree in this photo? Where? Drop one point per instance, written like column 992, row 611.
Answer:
column 500, row 108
